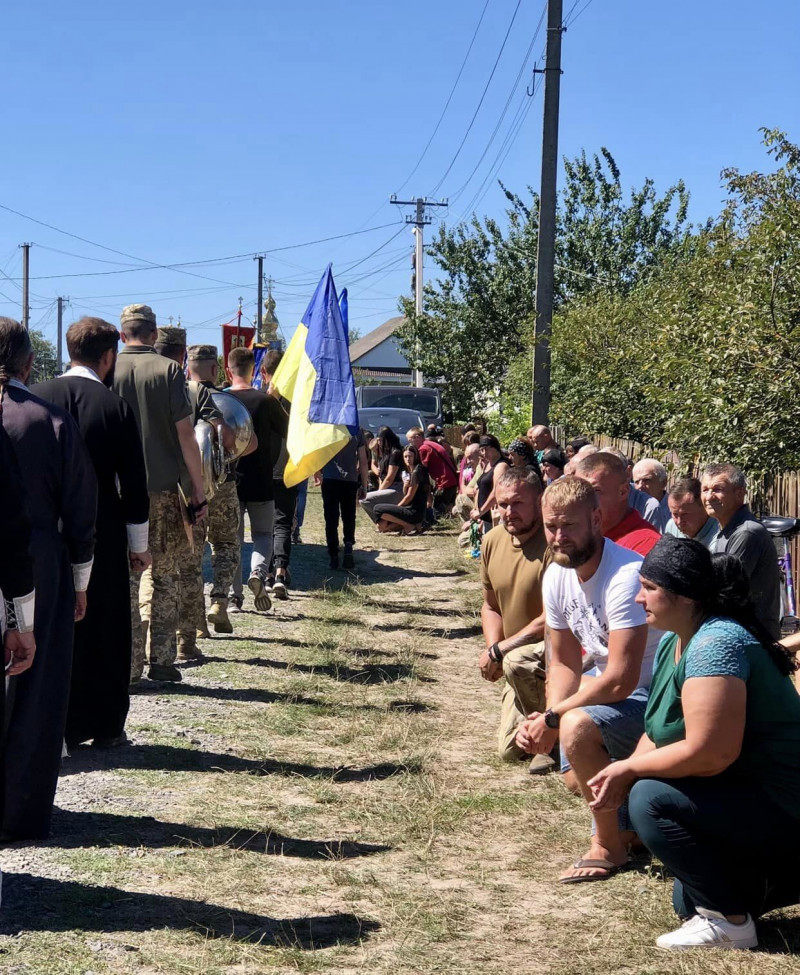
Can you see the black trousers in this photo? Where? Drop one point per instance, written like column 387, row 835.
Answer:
column 339, row 499
column 285, row 504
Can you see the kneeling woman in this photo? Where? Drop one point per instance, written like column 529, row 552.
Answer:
column 409, row 515
column 715, row 780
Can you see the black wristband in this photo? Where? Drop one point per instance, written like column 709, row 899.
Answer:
column 494, row 653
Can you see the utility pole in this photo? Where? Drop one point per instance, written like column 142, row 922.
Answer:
column 545, row 254
column 60, row 346
column 419, row 220
column 260, row 259
column 26, row 305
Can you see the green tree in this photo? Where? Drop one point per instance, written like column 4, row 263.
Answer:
column 45, row 360
column 476, row 334
column 704, row 354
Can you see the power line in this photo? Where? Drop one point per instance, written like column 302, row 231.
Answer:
column 449, row 99
column 483, row 96
column 503, row 114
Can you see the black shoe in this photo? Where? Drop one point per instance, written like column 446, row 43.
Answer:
column 161, row 672
column 236, row 602
column 118, row 741
column 296, row 539
column 348, row 562
column 279, row 590
column 334, row 561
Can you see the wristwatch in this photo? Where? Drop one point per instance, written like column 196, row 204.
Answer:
column 551, row 719
column 494, row 653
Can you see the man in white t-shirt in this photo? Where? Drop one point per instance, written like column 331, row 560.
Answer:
column 601, row 661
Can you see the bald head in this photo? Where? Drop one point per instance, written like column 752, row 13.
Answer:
column 609, row 477
column 540, row 437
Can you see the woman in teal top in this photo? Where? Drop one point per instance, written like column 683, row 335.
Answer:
column 715, row 780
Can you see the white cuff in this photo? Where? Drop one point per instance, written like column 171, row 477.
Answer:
column 23, row 608
column 138, row 536
column 81, row 574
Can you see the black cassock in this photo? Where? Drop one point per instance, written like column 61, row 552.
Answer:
column 101, row 666
column 61, row 501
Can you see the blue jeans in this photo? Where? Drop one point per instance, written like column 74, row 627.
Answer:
column 730, row 847
column 300, row 511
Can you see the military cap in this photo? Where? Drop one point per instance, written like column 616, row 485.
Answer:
column 141, row 313
column 171, row 335
column 202, row 353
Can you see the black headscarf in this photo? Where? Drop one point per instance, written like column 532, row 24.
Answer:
column 682, row 566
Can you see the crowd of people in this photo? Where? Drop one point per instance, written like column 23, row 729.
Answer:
column 636, row 624
column 637, row 628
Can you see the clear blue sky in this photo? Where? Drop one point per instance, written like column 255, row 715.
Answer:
column 179, row 132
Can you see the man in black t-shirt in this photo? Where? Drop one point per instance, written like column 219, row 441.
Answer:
column 254, row 475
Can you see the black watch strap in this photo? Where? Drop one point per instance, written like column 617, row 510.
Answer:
column 551, row 719
column 494, row 653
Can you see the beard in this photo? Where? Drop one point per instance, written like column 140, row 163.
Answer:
column 108, row 379
column 578, row 556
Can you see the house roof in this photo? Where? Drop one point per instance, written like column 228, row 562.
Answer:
column 374, row 338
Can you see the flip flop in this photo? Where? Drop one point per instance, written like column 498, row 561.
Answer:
column 607, row 865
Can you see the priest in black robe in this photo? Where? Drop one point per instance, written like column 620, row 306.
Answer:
column 61, row 502
column 101, row 666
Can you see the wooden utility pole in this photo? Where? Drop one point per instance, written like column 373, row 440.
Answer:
column 419, row 220
column 546, row 249
column 26, row 305
column 60, row 345
column 260, row 259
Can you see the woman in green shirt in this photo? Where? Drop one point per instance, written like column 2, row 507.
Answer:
column 715, row 780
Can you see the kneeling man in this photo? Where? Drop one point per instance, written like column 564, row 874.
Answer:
column 600, row 664
column 513, row 559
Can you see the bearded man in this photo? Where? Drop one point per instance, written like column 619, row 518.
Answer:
column 514, row 556
column 600, row 665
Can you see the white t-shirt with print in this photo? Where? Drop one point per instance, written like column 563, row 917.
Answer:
column 606, row 602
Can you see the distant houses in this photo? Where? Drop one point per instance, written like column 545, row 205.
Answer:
column 377, row 358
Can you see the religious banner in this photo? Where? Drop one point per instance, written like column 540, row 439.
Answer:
column 234, row 336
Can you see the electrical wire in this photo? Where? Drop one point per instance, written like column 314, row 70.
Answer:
column 449, row 99
column 480, row 103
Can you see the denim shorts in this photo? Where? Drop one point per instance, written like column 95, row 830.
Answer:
column 621, row 724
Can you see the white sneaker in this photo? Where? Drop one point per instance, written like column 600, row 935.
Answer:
column 709, row 929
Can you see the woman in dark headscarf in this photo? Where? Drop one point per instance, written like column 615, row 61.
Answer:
column 522, row 453
column 715, row 780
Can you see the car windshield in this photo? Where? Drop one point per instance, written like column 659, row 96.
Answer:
column 397, row 420
column 417, row 400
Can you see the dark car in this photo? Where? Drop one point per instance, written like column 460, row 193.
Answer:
column 372, row 418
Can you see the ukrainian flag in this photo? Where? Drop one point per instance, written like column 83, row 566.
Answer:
column 315, row 376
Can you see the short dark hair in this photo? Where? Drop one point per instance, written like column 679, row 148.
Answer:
column 241, row 360
column 138, row 329
column 271, row 361
column 15, row 349
column 89, row 339
column 471, row 437
column 686, row 486
column 579, row 442
column 733, row 475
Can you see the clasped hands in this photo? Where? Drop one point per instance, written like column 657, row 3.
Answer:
column 534, row 737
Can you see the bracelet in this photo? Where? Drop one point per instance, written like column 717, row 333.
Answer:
column 494, row 653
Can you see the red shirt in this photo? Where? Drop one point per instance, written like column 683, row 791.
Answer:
column 440, row 466
column 634, row 533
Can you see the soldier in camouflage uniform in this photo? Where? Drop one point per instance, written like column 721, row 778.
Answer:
column 223, row 509
column 155, row 389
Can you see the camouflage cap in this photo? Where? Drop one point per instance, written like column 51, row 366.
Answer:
column 140, row 313
column 202, row 353
column 171, row 335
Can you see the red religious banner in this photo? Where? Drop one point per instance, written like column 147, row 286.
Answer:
column 236, row 335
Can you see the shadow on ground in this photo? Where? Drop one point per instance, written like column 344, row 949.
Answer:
column 168, row 758
column 39, row 904
column 76, row 830
column 368, row 674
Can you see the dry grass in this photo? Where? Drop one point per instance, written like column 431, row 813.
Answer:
column 322, row 795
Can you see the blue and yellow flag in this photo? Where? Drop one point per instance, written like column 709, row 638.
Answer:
column 315, row 376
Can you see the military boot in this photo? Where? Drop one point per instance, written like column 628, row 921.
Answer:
column 187, row 649
column 218, row 616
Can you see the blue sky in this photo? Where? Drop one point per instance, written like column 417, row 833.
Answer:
column 181, row 132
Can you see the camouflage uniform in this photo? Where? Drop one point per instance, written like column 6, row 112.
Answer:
column 158, row 588
column 223, row 536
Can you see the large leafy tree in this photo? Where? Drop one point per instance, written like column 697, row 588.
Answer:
column 45, row 359
column 703, row 355
column 475, row 337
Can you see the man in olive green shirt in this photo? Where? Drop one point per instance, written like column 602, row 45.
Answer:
column 155, row 389
column 514, row 556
